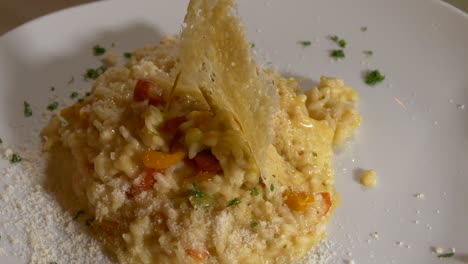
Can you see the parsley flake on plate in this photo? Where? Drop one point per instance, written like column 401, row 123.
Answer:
column 15, row 158
column 94, row 73
column 27, row 109
column 128, row 55
column 369, row 52
column 337, row 54
column 98, row 50
column 374, row 77
column 53, row 106
column 73, row 95
column 446, row 255
column 305, row 43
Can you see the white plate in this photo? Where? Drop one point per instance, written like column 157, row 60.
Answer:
column 417, row 146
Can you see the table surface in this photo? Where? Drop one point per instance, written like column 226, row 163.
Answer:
column 17, row 12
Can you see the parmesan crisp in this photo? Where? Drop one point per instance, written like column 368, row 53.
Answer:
column 234, row 86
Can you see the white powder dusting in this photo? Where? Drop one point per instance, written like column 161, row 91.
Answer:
column 324, row 252
column 34, row 228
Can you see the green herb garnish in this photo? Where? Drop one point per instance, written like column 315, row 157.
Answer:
column 78, row 214
column 446, row 255
column 253, row 224
column 363, row 29
column 342, row 43
column 98, row 50
column 272, row 187
column 1, row 141
column 255, row 191
column 94, row 73
column 80, row 100
column 369, row 52
column 52, row 88
column 15, row 158
column 53, row 106
column 234, row 201
column 199, row 198
column 252, row 45
column 314, row 154
column 337, row 54
column 87, row 93
column 73, row 95
column 128, row 55
column 305, row 43
column 27, row 109
column 334, row 38
column 374, row 77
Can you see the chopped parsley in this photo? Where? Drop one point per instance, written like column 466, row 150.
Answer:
column 1, row 141
column 234, row 201
column 253, row 224
column 87, row 93
column 374, row 77
column 94, row 73
column 337, row 54
column 15, row 158
column 252, row 45
column 128, row 55
column 369, row 52
column 260, row 180
column 199, row 198
column 78, row 214
column 334, row 38
column 305, row 43
column 196, row 192
column 27, row 109
column 363, row 29
column 314, row 154
column 80, row 100
column 272, row 187
column 53, row 106
column 255, row 191
column 446, row 255
column 342, row 43
column 52, row 88
column 73, row 95
column 98, row 50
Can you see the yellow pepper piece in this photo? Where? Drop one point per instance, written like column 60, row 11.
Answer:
column 298, row 201
column 159, row 160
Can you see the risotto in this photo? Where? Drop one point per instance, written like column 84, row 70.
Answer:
column 192, row 153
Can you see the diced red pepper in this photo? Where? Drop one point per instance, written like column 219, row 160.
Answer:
column 145, row 184
column 147, row 90
column 207, row 166
column 172, row 125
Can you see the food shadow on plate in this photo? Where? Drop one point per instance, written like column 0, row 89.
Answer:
column 29, row 77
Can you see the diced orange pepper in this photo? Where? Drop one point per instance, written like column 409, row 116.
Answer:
column 145, row 184
column 159, row 160
column 69, row 113
column 147, row 90
column 326, row 202
column 197, row 255
column 298, row 201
